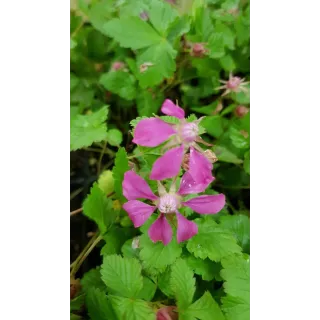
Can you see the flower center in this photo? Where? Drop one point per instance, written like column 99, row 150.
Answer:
column 189, row 132
column 168, row 203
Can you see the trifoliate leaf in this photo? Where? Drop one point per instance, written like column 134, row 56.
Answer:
column 99, row 208
column 131, row 32
column 216, row 46
column 92, row 279
column 160, row 62
column 122, row 275
column 87, row 129
column 106, row 182
column 120, row 167
column 114, row 137
column 161, row 14
column 246, row 162
column 148, row 103
column 130, row 309
column 205, row 308
column 99, row 305
column 212, row 241
column 156, row 256
column 120, row 82
column 236, row 273
column 182, row 284
column 206, row 268
column 227, row 63
column 239, row 225
column 115, row 239
column 148, row 290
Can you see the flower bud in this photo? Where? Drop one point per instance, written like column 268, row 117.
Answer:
column 167, row 313
column 118, row 65
column 198, row 50
column 241, row 111
column 106, row 182
column 211, row 156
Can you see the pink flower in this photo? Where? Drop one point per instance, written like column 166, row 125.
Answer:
column 168, row 203
column 183, row 136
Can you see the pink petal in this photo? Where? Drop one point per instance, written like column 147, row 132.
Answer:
column 207, row 204
column 188, row 185
column 168, row 165
column 138, row 212
column 186, row 228
column 171, row 109
column 160, row 230
column 152, row 132
column 134, row 187
column 200, row 168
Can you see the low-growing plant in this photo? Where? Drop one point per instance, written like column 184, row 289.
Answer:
column 160, row 161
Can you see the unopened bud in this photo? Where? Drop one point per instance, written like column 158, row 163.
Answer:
column 211, row 156
column 198, row 50
column 145, row 66
column 167, row 313
column 185, row 161
column 241, row 111
column 118, row 65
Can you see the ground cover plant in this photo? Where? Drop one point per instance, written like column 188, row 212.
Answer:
column 160, row 159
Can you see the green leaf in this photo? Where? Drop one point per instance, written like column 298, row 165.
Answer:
column 182, row 283
column 120, row 167
column 131, row 32
column 91, row 279
column 148, row 290
column 225, row 155
column 161, row 60
column 122, row 275
column 130, row 309
column 213, row 125
column 73, row 43
column 99, row 306
column 114, row 137
column 99, row 13
column 148, row 103
column 239, row 225
column 212, row 241
column 227, row 63
column 205, row 308
column 156, row 256
column 87, row 129
column 99, row 208
column 216, row 46
column 236, row 273
column 177, row 28
column 161, row 14
column 128, row 250
column 206, row 268
column 246, row 163
column 238, row 139
column 134, row 122
column 77, row 303
column 164, row 283
column 120, row 82
column 115, row 239
column 228, row 35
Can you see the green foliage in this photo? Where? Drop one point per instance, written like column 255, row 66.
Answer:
column 122, row 275
column 126, row 58
column 99, row 208
column 212, row 241
column 87, row 129
column 120, row 167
